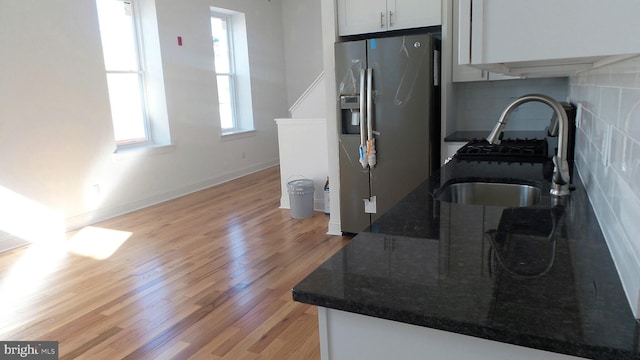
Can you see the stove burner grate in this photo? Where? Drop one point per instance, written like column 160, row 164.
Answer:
column 516, row 150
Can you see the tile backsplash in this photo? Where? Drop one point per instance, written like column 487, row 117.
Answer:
column 479, row 104
column 608, row 160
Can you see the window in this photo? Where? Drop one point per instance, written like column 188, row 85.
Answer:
column 125, row 77
column 231, row 61
column 223, row 57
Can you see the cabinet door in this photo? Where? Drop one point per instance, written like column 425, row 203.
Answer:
column 466, row 73
column 462, row 73
column 524, row 31
column 405, row 14
column 361, row 16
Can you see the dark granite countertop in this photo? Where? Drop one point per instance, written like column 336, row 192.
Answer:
column 539, row 276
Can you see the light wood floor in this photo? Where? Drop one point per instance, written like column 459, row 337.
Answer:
column 205, row 276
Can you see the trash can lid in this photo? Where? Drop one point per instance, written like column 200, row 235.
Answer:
column 300, row 185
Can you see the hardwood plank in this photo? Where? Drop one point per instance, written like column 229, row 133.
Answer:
column 204, row 276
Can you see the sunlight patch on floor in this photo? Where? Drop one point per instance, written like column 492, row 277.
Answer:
column 97, row 243
column 26, row 282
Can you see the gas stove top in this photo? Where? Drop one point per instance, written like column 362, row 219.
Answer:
column 510, row 150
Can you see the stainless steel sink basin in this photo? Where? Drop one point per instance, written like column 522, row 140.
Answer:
column 490, row 194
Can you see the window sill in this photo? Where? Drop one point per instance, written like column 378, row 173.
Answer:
column 237, row 134
column 134, row 152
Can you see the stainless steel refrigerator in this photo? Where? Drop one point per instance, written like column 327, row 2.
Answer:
column 388, row 109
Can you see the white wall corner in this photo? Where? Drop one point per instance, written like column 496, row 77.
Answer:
column 312, row 103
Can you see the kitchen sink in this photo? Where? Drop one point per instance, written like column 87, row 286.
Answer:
column 489, row 194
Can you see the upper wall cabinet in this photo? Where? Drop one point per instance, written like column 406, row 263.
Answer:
column 466, row 73
column 546, row 37
column 371, row 16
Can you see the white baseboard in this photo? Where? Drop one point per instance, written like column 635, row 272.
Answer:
column 82, row 220
column 334, row 228
column 10, row 242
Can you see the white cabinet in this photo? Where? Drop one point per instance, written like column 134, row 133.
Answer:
column 546, row 37
column 406, row 14
column 465, row 73
column 345, row 335
column 370, row 16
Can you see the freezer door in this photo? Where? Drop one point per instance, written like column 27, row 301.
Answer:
column 354, row 180
column 402, row 116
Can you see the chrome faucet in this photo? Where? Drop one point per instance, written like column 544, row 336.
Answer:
column 559, row 124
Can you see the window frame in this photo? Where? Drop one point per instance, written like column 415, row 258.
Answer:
column 141, row 76
column 231, row 75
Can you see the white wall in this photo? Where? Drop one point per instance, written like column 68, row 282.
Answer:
column 329, row 36
column 303, row 154
column 56, row 138
column 312, row 103
column 608, row 160
column 303, row 45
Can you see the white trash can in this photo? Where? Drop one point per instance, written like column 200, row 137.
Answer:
column 301, row 198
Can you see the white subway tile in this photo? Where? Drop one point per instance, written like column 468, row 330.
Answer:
column 601, row 77
column 601, row 172
column 597, row 198
column 585, row 172
column 625, row 73
column 633, row 162
column 599, row 133
column 615, row 197
column 620, row 153
column 627, row 262
column 630, row 112
column 581, row 142
column 610, row 130
column 577, row 94
column 610, row 104
column 581, row 79
column 628, row 215
column 586, row 122
column 626, row 208
column 592, row 99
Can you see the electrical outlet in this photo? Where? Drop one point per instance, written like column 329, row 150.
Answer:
column 244, row 155
column 95, row 188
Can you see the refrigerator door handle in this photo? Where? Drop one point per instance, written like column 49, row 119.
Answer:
column 371, row 143
column 369, row 103
column 363, row 107
column 362, row 157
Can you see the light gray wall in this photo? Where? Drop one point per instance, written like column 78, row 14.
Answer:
column 608, row 160
column 478, row 105
column 56, row 138
column 302, row 23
